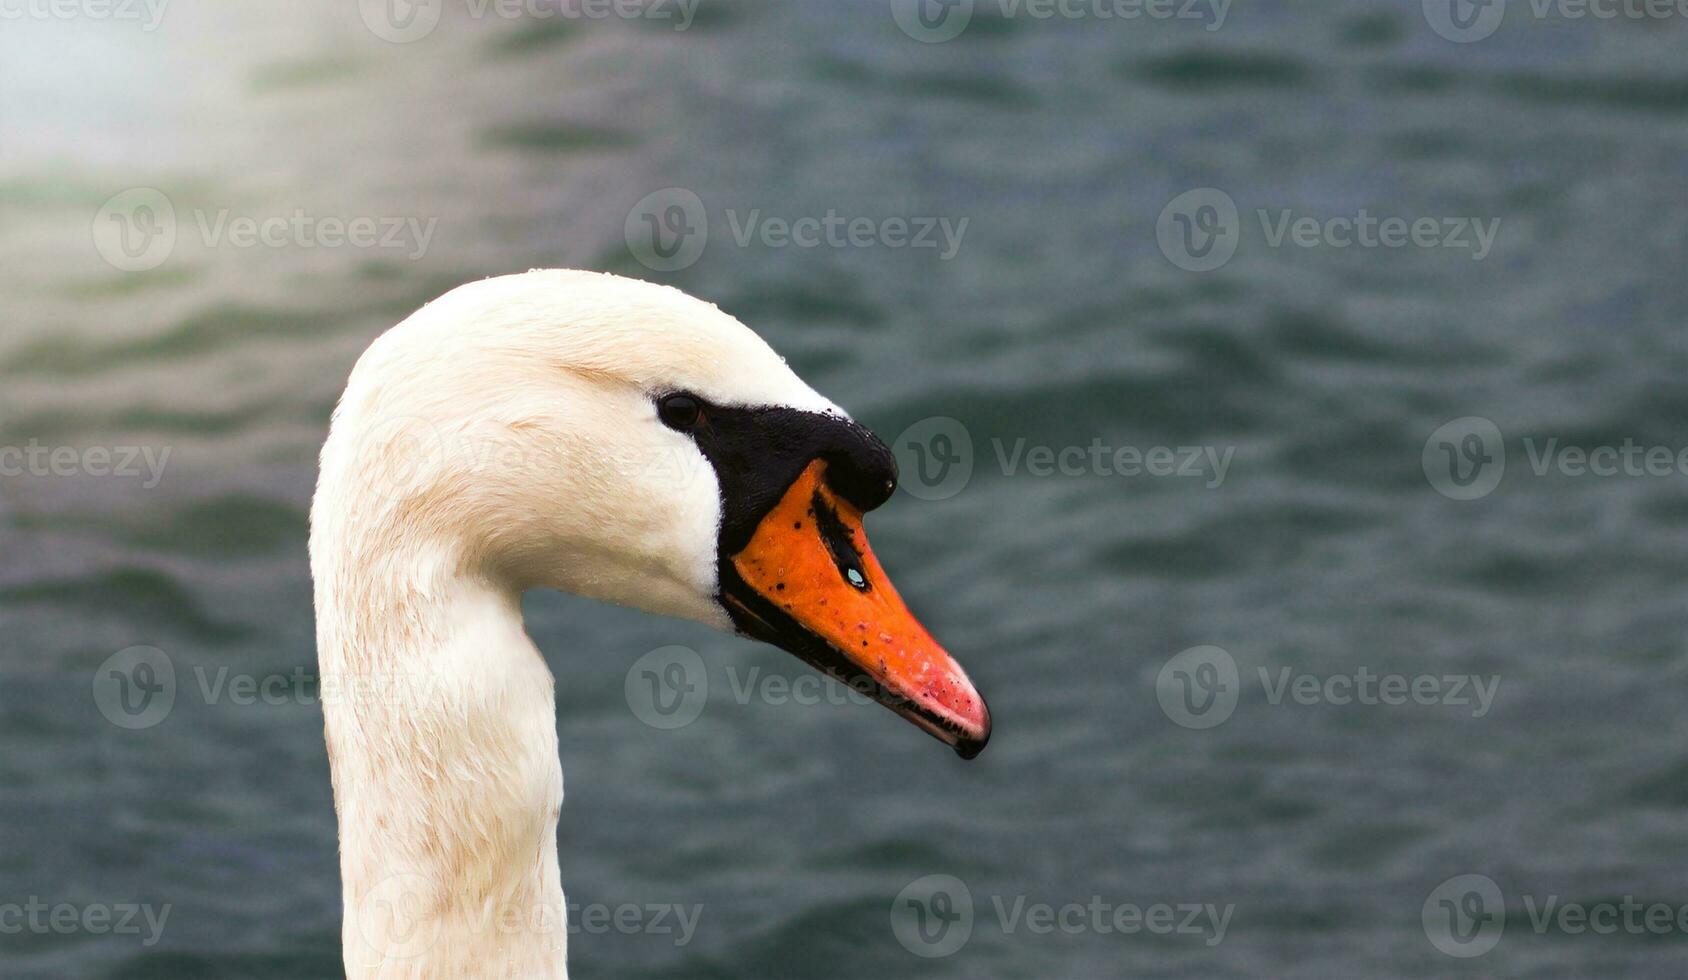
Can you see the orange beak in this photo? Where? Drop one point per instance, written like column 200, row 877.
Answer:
column 811, row 585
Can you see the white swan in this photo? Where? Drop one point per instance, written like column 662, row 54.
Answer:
column 593, row 434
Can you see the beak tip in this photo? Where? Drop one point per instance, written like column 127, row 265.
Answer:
column 969, row 746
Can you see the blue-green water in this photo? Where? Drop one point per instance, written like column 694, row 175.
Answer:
column 1059, row 320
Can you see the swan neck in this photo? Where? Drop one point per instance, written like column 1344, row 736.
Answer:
column 447, row 782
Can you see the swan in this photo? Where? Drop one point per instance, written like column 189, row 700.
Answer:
column 601, row 436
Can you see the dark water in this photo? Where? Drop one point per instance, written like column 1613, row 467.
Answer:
column 1060, row 321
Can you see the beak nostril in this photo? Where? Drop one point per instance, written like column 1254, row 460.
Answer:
column 840, row 542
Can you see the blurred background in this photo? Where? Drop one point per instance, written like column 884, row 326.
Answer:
column 207, row 211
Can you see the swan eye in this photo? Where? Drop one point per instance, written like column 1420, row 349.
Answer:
column 680, row 411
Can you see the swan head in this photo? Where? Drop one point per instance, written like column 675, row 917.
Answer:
column 624, row 441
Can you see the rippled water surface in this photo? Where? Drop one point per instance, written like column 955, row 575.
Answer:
column 1058, row 322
